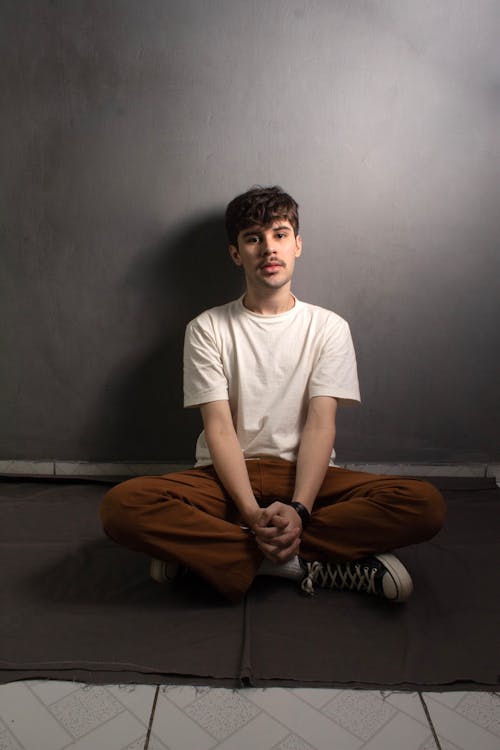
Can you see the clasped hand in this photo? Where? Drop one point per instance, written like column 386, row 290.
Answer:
column 277, row 530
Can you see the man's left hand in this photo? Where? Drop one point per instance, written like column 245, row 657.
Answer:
column 277, row 532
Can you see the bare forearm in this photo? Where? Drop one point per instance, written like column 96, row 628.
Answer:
column 315, row 449
column 312, row 463
column 229, row 464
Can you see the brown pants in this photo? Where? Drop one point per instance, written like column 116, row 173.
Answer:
column 188, row 517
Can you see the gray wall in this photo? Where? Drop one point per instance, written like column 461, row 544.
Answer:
column 128, row 125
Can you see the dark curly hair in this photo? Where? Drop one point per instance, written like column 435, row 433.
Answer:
column 260, row 206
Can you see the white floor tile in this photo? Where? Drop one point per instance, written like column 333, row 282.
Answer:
column 183, row 695
column 222, row 712
column 116, row 734
column 7, row 740
column 410, row 704
column 317, row 697
column 482, row 709
column 459, row 730
column 154, row 744
column 361, row 712
column 430, row 744
column 451, row 699
column 292, row 742
column 400, row 732
column 86, row 709
column 50, row 691
column 28, row 721
column 51, row 715
column 263, row 732
column 138, row 699
column 303, row 720
column 177, row 730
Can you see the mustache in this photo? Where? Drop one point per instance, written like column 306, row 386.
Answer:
column 271, row 261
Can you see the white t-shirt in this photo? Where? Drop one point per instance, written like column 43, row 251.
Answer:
column 268, row 367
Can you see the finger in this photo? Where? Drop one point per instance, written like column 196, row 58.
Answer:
column 276, row 549
column 278, row 537
column 281, row 556
column 265, row 517
column 279, row 521
column 274, row 509
column 284, row 555
column 269, row 531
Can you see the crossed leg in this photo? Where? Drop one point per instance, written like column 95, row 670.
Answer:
column 188, row 517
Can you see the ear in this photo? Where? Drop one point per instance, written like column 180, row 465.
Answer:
column 298, row 246
column 235, row 256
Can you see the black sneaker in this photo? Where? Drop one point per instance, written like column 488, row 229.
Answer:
column 383, row 575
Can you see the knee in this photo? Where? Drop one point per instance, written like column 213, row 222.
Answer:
column 430, row 507
column 116, row 512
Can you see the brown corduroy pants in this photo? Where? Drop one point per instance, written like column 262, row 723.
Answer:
column 187, row 516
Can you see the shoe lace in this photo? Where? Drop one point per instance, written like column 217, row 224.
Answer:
column 352, row 576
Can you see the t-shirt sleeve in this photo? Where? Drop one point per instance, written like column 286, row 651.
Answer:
column 335, row 372
column 204, row 378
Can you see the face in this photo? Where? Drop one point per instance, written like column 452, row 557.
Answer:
column 267, row 254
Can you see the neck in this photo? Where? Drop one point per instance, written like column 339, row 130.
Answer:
column 278, row 303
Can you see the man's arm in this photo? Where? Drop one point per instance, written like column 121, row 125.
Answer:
column 228, row 460
column 278, row 539
column 316, row 445
column 278, row 527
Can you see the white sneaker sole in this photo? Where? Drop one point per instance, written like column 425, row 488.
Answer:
column 163, row 571
column 400, row 588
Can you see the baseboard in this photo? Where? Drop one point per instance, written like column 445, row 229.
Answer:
column 45, row 468
column 89, row 468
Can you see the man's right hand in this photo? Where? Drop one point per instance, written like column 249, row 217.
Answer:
column 277, row 530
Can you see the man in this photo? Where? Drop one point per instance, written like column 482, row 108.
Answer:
column 268, row 372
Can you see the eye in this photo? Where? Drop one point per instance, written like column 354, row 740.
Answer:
column 281, row 235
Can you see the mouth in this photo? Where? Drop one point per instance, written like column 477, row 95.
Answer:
column 271, row 266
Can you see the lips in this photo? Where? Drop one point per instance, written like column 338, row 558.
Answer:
column 270, row 266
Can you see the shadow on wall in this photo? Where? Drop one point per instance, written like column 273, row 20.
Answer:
column 140, row 415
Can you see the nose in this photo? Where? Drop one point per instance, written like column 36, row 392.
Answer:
column 267, row 246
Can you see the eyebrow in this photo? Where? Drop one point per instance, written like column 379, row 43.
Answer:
column 250, row 232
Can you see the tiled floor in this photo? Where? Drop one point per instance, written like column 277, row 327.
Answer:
column 45, row 715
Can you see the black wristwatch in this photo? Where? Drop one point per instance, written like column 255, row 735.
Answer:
column 302, row 511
